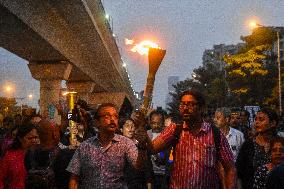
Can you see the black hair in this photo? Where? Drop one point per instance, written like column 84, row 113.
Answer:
column 101, row 106
column 17, row 115
column 277, row 139
column 157, row 112
column 272, row 115
column 8, row 120
column 245, row 113
column 23, row 130
column 12, row 130
column 122, row 121
column 197, row 95
column 83, row 104
column 235, row 110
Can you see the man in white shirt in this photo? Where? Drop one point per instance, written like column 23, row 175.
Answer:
column 235, row 138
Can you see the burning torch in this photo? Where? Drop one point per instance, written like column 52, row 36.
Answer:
column 155, row 57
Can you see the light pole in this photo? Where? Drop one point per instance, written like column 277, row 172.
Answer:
column 254, row 24
column 279, row 73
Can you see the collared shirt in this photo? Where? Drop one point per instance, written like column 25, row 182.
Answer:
column 102, row 168
column 158, row 160
column 195, row 164
column 235, row 139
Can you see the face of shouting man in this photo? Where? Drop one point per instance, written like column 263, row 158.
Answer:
column 107, row 119
column 189, row 108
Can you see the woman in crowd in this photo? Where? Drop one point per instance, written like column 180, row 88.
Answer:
column 136, row 179
column 277, row 157
column 13, row 172
column 8, row 140
column 256, row 151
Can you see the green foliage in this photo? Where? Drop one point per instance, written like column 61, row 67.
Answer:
column 260, row 36
column 7, row 106
column 210, row 81
column 249, row 77
column 252, row 73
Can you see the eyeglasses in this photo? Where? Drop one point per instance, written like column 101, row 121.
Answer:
column 109, row 116
column 188, row 104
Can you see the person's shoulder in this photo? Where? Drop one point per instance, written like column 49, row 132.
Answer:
column 248, row 144
column 236, row 131
column 12, row 154
column 88, row 142
column 121, row 138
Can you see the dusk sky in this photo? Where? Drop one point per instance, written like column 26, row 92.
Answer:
column 185, row 28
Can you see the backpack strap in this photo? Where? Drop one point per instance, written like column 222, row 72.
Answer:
column 217, row 140
column 177, row 134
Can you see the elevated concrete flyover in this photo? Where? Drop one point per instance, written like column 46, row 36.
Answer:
column 65, row 40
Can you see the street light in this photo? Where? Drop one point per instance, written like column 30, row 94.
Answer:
column 254, row 24
column 8, row 88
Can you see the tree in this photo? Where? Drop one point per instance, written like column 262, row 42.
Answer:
column 7, row 106
column 210, row 81
column 252, row 72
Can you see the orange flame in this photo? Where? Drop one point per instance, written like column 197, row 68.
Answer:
column 142, row 47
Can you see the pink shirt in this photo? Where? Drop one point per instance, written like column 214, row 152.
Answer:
column 195, row 165
column 12, row 170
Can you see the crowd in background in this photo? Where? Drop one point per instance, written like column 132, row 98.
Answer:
column 38, row 153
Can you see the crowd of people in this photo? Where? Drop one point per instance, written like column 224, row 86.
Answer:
column 155, row 151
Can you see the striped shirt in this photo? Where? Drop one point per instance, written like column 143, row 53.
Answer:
column 195, row 164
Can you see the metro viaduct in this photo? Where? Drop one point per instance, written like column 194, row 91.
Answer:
column 66, row 40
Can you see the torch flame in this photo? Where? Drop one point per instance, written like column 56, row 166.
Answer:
column 142, row 47
column 129, row 41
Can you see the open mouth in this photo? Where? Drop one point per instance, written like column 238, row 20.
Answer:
column 112, row 126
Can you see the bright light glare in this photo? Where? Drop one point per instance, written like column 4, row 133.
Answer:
column 65, row 93
column 107, row 16
column 124, row 65
column 143, row 47
column 30, row 96
column 253, row 24
column 68, row 92
column 8, row 89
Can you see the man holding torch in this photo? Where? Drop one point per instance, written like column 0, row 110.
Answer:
column 198, row 145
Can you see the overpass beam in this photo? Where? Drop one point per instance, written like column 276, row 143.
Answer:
column 83, row 89
column 50, row 76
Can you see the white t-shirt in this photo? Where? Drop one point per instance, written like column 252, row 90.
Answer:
column 235, row 139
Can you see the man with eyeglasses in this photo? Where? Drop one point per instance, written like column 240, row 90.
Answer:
column 195, row 155
column 99, row 162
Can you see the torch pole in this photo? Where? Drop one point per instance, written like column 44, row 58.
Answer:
column 279, row 74
column 71, row 107
column 155, row 57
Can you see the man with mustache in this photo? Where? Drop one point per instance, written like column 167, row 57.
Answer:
column 195, row 156
column 99, row 162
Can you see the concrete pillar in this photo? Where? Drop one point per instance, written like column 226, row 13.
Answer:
column 50, row 76
column 83, row 88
